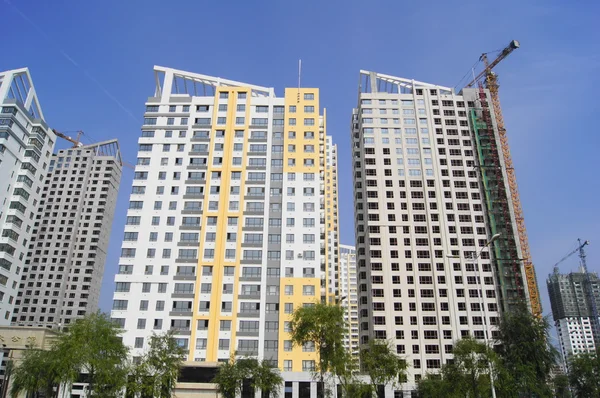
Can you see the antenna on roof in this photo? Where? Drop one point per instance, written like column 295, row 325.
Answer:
column 299, row 77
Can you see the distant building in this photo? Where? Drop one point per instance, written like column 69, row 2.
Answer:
column 65, row 262
column 572, row 311
column 26, row 144
column 349, row 294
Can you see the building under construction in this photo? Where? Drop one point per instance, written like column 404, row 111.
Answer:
column 573, row 312
column 441, row 245
column 574, row 299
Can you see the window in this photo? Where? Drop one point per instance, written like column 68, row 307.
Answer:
column 309, row 96
column 308, row 365
column 308, row 290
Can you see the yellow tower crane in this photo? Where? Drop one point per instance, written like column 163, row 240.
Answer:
column 491, row 83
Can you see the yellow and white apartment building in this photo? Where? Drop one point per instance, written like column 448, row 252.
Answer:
column 232, row 221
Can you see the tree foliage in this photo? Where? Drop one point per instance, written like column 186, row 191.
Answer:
column 345, row 370
column 521, row 364
column 526, row 353
column 560, row 383
column 156, row 373
column 468, row 374
column 324, row 325
column 91, row 346
column 379, row 361
column 260, row 374
column 584, row 374
column 36, row 372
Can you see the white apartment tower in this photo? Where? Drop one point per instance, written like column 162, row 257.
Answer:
column 349, row 295
column 65, row 262
column 430, row 193
column 26, row 144
column 228, row 221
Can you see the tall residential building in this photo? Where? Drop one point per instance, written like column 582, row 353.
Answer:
column 64, row 265
column 430, row 184
column 26, row 144
column 229, row 219
column 572, row 311
column 349, row 295
column 330, row 205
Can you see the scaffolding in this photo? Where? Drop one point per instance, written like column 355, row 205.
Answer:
column 500, row 209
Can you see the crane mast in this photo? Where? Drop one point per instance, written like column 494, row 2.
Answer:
column 491, row 83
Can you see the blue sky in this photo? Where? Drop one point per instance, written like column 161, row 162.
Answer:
column 92, row 62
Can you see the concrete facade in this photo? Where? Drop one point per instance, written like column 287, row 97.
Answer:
column 65, row 262
column 419, row 199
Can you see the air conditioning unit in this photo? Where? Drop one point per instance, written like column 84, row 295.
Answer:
column 299, row 255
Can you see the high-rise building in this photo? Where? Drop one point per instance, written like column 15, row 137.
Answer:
column 572, row 311
column 349, row 295
column 229, row 219
column 64, row 265
column 431, row 193
column 26, row 144
column 331, row 218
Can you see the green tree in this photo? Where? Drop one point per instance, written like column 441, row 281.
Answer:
column 261, row 375
column 526, row 354
column 322, row 324
column 156, row 373
column 35, row 373
column 229, row 379
column 584, row 374
column 560, row 382
column 437, row 385
column 379, row 361
column 91, row 346
column 473, row 362
column 468, row 374
column 346, row 369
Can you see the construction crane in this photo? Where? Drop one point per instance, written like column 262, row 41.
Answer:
column 490, row 79
column 580, row 250
column 589, row 291
column 77, row 143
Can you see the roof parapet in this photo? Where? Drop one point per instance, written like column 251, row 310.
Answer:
column 177, row 82
column 373, row 82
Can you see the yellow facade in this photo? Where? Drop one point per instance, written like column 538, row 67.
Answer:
column 294, row 122
column 218, row 263
column 297, row 299
column 309, row 155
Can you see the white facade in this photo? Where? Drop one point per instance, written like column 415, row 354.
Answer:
column 349, row 294
column 65, row 264
column 419, row 199
column 575, row 336
column 26, row 144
